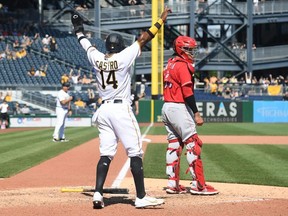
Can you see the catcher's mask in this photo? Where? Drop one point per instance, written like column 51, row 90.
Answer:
column 185, row 47
column 114, row 43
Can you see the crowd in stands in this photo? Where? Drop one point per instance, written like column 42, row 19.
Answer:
column 6, row 96
column 231, row 87
column 77, row 78
column 41, row 72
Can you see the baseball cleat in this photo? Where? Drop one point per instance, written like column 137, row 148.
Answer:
column 98, row 201
column 148, row 201
column 64, row 140
column 207, row 190
column 56, row 140
column 180, row 190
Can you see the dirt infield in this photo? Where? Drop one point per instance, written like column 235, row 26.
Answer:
column 37, row 191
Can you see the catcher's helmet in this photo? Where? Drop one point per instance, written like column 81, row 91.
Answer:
column 114, row 43
column 185, row 47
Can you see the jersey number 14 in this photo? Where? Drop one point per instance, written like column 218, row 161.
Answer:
column 111, row 79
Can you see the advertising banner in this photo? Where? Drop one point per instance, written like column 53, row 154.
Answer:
column 30, row 122
column 48, row 122
column 220, row 111
column 270, row 111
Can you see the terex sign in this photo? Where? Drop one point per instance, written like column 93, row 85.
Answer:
column 220, row 111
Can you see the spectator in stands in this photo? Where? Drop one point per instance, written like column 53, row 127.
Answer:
column 16, row 109
column 43, row 70
column 254, row 80
column 79, row 103
column 8, row 97
column 25, row 110
column 46, row 40
column 4, row 117
column 142, row 8
column 75, row 77
column 233, row 80
column 207, row 86
column 46, row 49
column 256, row 7
column 64, row 78
column 234, row 94
column 2, row 55
column 221, row 84
column 1, row 96
column 85, row 80
column 46, row 43
column 248, row 77
column 35, row 38
column 31, row 72
column 201, row 6
column 91, row 97
column 10, row 54
column 227, row 92
column 26, row 42
column 53, row 45
column 285, row 96
column 21, row 53
column 16, row 44
column 133, row 9
column 91, row 78
column 281, row 81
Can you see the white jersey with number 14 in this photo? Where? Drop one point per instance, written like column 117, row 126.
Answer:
column 113, row 74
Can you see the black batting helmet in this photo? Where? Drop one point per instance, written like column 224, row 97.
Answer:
column 66, row 84
column 114, row 43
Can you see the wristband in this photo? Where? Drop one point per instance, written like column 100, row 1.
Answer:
column 155, row 28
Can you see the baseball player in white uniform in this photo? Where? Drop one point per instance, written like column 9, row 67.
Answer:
column 62, row 109
column 115, row 118
column 4, row 107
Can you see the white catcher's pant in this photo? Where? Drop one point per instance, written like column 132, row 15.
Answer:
column 115, row 122
column 60, row 123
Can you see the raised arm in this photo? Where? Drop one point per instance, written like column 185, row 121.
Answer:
column 147, row 36
column 77, row 22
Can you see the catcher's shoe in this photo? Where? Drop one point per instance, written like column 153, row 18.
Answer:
column 180, row 190
column 207, row 190
column 148, row 201
column 98, row 201
column 56, row 140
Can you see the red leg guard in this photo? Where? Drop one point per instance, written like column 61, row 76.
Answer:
column 193, row 146
column 176, row 163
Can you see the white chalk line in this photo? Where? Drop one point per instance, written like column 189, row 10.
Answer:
column 117, row 182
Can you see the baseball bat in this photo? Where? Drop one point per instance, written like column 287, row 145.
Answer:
column 105, row 190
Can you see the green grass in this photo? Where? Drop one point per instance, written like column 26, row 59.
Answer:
column 279, row 129
column 21, row 150
column 245, row 164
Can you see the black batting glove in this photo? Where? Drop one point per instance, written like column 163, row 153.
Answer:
column 77, row 22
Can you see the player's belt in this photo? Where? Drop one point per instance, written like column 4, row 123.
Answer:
column 112, row 101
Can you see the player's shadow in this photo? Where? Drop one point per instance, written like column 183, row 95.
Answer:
column 114, row 200
column 121, row 199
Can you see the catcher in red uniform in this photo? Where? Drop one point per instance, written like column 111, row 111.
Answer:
column 180, row 116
